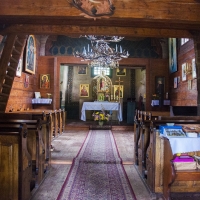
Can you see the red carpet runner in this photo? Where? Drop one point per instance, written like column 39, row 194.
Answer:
column 97, row 172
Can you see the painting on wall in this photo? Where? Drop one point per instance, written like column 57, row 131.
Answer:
column 175, row 82
column 84, row 90
column 30, row 55
column 194, row 72
column 120, row 72
column 159, row 80
column 118, row 91
column 172, row 55
column 82, row 70
column 45, row 81
column 184, row 66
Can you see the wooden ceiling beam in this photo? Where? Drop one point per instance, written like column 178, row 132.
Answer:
column 94, row 30
column 182, row 10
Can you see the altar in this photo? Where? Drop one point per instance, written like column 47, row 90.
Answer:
column 101, row 105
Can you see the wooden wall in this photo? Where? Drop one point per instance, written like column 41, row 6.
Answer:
column 22, row 93
column 182, row 96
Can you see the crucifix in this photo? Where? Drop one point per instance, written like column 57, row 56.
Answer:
column 119, row 95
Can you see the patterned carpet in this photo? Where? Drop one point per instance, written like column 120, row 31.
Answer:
column 97, row 171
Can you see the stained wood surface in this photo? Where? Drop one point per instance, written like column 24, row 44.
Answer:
column 143, row 19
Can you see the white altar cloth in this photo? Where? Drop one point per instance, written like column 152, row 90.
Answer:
column 184, row 144
column 156, row 102
column 41, row 101
column 99, row 106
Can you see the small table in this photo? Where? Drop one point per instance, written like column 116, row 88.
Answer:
column 156, row 102
column 41, row 101
column 101, row 105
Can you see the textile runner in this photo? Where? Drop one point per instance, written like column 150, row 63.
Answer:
column 97, row 172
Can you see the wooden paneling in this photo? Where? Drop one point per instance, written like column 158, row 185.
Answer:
column 182, row 96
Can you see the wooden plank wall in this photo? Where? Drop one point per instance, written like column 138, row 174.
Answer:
column 182, row 96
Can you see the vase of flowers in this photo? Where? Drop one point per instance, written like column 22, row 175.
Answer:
column 101, row 117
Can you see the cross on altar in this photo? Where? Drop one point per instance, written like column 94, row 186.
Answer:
column 119, row 81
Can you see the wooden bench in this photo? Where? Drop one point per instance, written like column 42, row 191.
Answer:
column 37, row 145
column 160, row 171
column 16, row 162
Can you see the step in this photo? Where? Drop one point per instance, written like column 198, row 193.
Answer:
column 14, row 60
column 16, row 51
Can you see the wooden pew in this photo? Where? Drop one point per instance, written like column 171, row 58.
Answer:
column 37, row 146
column 171, row 175
column 15, row 162
column 136, row 136
column 160, row 173
column 143, row 142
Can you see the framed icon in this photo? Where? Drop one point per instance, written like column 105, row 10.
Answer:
column 84, row 90
column 82, row 70
column 30, row 55
column 121, row 72
column 45, row 81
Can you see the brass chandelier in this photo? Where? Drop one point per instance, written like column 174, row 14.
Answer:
column 100, row 54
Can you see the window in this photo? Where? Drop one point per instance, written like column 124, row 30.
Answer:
column 95, row 71
column 184, row 40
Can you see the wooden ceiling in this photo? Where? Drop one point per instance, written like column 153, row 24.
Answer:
column 132, row 18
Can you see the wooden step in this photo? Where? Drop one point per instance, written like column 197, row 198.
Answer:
column 16, row 51
column 14, row 60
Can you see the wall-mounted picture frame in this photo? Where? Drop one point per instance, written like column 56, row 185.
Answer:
column 26, row 81
column 19, row 67
column 172, row 55
column 159, row 84
column 118, row 91
column 175, row 82
column 121, row 72
column 30, row 60
column 45, row 81
column 82, row 70
column 194, row 72
column 84, row 90
column 184, row 67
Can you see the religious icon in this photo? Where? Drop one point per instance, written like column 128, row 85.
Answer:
column 45, row 81
column 172, row 55
column 121, row 72
column 159, row 82
column 82, row 70
column 84, row 90
column 30, row 55
column 118, row 91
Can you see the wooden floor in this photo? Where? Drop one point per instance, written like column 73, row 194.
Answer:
column 66, row 147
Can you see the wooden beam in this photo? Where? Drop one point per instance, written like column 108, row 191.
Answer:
column 79, row 30
column 182, row 10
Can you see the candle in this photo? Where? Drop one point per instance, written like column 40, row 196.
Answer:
column 116, row 48
column 120, row 49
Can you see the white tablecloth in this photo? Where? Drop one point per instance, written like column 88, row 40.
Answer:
column 156, row 102
column 41, row 101
column 184, row 144
column 99, row 106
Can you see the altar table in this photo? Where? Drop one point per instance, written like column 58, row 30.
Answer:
column 99, row 106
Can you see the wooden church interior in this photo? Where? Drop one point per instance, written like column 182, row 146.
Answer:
column 55, row 28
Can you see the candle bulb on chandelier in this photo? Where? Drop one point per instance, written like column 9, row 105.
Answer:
column 120, row 49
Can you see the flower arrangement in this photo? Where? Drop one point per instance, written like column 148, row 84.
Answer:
column 100, row 116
